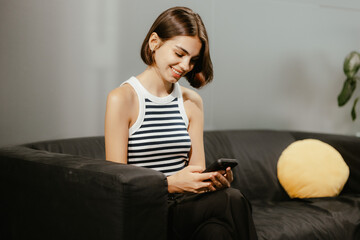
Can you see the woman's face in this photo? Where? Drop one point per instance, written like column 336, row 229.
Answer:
column 176, row 57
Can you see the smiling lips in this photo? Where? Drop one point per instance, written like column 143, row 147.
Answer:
column 176, row 73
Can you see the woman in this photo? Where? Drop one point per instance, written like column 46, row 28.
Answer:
column 151, row 121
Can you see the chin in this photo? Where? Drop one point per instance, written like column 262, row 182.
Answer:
column 173, row 79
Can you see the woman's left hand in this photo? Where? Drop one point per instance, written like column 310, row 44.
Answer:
column 222, row 179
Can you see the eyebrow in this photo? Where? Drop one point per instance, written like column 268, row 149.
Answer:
column 184, row 50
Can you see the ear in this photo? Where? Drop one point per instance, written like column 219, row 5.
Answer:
column 154, row 41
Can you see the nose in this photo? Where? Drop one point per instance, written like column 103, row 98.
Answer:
column 186, row 65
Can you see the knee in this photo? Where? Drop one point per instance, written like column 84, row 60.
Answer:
column 234, row 196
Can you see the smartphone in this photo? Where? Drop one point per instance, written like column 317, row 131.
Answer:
column 221, row 164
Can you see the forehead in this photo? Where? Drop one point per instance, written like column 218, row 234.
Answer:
column 192, row 45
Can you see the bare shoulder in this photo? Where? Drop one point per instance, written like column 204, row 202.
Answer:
column 191, row 97
column 124, row 95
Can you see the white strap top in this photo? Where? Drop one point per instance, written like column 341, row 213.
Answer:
column 159, row 138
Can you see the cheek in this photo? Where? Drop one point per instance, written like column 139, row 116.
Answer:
column 172, row 59
column 164, row 58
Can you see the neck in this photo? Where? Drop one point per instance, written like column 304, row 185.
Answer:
column 154, row 83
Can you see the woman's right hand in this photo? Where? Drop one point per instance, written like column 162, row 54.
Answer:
column 190, row 179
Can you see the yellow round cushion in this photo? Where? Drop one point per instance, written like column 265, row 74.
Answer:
column 311, row 168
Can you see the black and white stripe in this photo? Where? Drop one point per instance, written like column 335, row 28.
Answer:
column 162, row 141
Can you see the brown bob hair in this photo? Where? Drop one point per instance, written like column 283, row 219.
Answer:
column 182, row 21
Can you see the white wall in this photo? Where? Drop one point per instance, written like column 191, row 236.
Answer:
column 278, row 63
column 57, row 61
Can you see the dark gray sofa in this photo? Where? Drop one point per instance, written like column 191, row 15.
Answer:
column 64, row 189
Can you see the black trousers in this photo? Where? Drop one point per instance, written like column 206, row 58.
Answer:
column 224, row 214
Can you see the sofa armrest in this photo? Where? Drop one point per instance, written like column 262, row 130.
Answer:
column 57, row 196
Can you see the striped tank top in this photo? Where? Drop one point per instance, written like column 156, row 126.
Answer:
column 159, row 138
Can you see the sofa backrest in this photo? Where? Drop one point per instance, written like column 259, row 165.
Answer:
column 257, row 153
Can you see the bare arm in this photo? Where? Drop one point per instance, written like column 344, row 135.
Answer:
column 121, row 109
column 194, row 109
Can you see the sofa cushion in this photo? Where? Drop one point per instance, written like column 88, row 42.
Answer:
column 311, row 168
column 316, row 218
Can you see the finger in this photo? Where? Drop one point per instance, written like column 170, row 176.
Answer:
column 211, row 188
column 229, row 175
column 223, row 180
column 207, row 188
column 204, row 191
column 204, row 176
column 217, row 184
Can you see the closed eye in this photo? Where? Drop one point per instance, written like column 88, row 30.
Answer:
column 179, row 54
